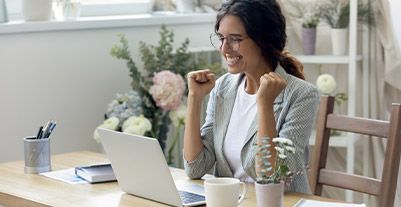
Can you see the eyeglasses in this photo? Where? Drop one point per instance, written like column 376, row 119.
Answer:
column 234, row 42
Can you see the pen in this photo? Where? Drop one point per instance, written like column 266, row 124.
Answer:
column 46, row 129
column 52, row 126
column 39, row 132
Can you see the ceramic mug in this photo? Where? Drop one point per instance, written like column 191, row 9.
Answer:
column 224, row 192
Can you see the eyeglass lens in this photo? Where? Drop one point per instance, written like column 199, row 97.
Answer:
column 217, row 41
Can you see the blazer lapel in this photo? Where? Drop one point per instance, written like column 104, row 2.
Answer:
column 224, row 105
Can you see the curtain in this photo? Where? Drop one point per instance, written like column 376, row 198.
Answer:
column 384, row 78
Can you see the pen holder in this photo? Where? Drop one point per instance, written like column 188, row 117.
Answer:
column 37, row 155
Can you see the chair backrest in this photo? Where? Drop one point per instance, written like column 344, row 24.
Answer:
column 383, row 188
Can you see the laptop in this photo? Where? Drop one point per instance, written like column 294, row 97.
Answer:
column 141, row 169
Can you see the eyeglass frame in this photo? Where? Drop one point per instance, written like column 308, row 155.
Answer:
column 229, row 40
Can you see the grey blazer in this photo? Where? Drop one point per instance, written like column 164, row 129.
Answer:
column 294, row 110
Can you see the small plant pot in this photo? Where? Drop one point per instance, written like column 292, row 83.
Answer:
column 269, row 194
column 309, row 40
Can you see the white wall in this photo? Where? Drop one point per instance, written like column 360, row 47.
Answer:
column 68, row 76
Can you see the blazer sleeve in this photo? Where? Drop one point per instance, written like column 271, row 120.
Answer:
column 206, row 157
column 298, row 124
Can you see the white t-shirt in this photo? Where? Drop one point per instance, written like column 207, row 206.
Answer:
column 243, row 113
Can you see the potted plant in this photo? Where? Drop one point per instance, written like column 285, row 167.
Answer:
column 309, row 13
column 336, row 14
column 269, row 185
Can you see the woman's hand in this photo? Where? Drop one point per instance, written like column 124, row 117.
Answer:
column 271, row 84
column 200, row 82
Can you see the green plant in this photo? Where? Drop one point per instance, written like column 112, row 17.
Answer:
column 307, row 12
column 265, row 172
column 336, row 13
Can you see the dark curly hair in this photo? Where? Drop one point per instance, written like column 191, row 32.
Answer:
column 265, row 25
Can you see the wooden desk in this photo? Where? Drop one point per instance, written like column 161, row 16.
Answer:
column 19, row 189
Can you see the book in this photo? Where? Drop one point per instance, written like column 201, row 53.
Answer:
column 96, row 173
column 314, row 203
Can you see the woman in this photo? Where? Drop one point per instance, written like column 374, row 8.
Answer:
column 263, row 95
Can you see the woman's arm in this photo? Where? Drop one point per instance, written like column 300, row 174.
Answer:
column 271, row 85
column 198, row 143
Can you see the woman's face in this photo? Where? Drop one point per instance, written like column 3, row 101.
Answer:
column 241, row 52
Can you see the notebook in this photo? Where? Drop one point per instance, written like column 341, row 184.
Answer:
column 96, row 173
column 141, row 169
column 313, row 203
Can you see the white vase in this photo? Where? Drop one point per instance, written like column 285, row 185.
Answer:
column 36, row 10
column 271, row 195
column 339, row 41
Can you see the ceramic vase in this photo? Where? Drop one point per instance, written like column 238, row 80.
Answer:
column 339, row 41
column 36, row 10
column 309, row 40
column 271, row 195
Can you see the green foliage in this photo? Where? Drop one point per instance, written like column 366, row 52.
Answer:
column 267, row 173
column 308, row 13
column 336, row 13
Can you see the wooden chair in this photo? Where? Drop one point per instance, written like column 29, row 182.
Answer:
column 385, row 188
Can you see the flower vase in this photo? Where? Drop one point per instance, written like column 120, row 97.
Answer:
column 36, row 10
column 339, row 41
column 309, row 40
column 269, row 194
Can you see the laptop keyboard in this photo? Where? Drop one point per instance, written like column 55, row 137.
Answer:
column 188, row 197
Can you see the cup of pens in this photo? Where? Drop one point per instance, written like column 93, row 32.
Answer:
column 37, row 150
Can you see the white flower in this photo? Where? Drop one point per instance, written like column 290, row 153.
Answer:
column 326, row 83
column 125, row 105
column 290, row 149
column 137, row 125
column 282, row 156
column 279, row 150
column 282, row 140
column 110, row 123
column 177, row 116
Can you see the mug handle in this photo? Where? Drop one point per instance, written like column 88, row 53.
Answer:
column 243, row 192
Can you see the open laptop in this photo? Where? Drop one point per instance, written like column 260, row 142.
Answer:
column 141, row 169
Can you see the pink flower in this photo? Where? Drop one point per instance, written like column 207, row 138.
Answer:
column 167, row 89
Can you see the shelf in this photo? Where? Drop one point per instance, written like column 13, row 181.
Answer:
column 326, row 59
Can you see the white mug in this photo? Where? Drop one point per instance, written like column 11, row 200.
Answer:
column 224, row 192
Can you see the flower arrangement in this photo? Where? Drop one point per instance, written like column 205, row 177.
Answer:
column 336, row 13
column 307, row 11
column 158, row 89
column 265, row 173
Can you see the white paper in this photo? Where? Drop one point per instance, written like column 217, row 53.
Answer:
column 313, row 203
column 67, row 175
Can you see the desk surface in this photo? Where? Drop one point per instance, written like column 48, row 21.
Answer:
column 19, row 189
